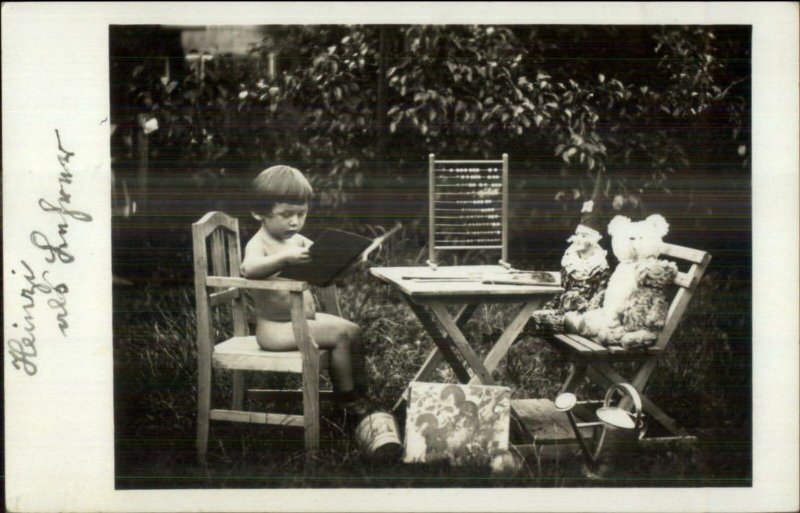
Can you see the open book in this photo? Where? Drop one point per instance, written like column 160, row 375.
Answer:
column 334, row 254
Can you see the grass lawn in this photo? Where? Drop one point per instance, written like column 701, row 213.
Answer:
column 703, row 381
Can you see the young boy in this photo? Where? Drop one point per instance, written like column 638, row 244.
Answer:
column 283, row 194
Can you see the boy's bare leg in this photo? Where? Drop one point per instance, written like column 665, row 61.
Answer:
column 340, row 336
column 347, row 363
column 343, row 339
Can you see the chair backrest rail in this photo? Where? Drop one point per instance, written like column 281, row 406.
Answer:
column 229, row 281
column 209, row 222
column 694, row 256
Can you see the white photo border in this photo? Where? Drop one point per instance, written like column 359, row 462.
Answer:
column 59, row 438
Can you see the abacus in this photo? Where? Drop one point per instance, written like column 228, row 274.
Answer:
column 468, row 206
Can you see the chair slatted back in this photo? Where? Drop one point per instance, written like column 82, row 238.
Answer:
column 687, row 283
column 217, row 252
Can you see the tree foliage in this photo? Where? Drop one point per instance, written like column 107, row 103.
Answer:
column 640, row 108
column 326, row 103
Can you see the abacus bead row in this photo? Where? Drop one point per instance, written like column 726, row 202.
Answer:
column 468, row 241
column 472, row 185
column 471, row 216
column 469, row 202
column 470, row 210
column 469, row 177
column 468, row 169
column 482, row 192
column 478, row 224
column 472, row 232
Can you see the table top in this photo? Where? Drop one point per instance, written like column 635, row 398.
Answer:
column 450, row 282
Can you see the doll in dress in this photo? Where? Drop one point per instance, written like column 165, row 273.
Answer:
column 584, row 274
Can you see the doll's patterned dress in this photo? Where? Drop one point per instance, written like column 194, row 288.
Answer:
column 584, row 281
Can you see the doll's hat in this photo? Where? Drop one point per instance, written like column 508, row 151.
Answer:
column 592, row 216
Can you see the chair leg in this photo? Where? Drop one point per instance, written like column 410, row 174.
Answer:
column 577, row 370
column 203, row 411
column 311, row 405
column 237, row 401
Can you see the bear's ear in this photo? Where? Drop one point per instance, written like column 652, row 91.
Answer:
column 658, row 224
column 617, row 223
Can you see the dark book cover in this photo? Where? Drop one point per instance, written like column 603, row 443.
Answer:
column 334, row 253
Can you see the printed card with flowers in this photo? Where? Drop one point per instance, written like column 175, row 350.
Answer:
column 464, row 424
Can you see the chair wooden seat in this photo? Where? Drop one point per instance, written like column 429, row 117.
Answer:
column 243, row 353
column 583, row 347
column 588, row 359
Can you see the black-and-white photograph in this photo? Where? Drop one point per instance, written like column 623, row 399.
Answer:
column 551, row 221
column 401, row 257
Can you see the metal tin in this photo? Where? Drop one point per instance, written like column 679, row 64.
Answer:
column 378, row 434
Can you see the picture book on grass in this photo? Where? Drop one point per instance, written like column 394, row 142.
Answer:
column 463, row 424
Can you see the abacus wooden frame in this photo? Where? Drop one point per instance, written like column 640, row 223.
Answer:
column 432, row 224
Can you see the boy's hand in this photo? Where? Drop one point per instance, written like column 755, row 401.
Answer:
column 296, row 256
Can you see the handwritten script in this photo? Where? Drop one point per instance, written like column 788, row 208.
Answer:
column 54, row 243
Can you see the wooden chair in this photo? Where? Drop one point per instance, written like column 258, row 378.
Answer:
column 217, row 257
column 595, row 362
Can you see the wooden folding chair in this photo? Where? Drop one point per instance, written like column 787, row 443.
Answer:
column 217, row 257
column 595, row 362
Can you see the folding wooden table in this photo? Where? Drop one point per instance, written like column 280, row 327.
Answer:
column 429, row 292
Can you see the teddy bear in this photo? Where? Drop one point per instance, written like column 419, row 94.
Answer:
column 634, row 307
column 584, row 274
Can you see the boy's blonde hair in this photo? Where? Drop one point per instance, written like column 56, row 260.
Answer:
column 280, row 184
